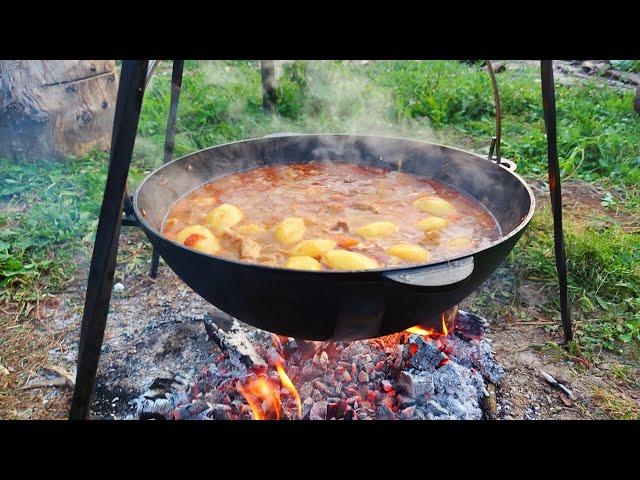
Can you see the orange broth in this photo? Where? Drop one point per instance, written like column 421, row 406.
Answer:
column 333, row 200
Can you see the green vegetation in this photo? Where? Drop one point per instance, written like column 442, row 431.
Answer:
column 603, row 265
column 627, row 65
column 596, row 125
column 50, row 209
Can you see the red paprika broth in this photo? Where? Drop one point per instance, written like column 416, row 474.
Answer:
column 334, row 200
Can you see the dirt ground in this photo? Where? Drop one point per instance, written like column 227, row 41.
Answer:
column 155, row 328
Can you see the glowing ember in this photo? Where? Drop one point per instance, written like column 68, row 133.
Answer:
column 262, row 397
column 288, row 384
column 422, row 373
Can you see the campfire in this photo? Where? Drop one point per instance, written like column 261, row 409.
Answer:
column 416, row 374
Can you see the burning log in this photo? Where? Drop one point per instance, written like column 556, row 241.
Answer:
column 470, row 326
column 235, row 344
column 319, row 410
column 427, row 356
column 162, row 398
column 384, row 413
column 490, row 404
column 416, row 385
column 457, row 390
column 479, row 355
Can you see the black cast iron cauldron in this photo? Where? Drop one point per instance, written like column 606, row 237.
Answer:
column 337, row 304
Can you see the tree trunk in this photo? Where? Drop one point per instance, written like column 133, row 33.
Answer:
column 56, row 108
column 269, row 98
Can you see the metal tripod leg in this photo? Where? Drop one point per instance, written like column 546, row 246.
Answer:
column 169, row 140
column 105, row 250
column 549, row 106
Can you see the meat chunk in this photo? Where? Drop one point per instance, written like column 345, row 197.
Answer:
column 270, row 260
column 340, row 227
column 330, row 208
column 431, row 238
column 369, row 207
column 249, row 249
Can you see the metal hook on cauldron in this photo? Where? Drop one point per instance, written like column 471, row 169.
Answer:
column 496, row 140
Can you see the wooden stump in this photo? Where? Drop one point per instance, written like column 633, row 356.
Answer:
column 56, row 108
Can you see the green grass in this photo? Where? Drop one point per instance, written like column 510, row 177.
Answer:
column 48, row 209
column 627, row 65
column 598, row 131
column 48, row 212
column 603, row 264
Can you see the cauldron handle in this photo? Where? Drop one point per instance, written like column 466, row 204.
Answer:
column 438, row 275
column 496, row 141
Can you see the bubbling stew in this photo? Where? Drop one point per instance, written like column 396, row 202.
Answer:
column 330, row 216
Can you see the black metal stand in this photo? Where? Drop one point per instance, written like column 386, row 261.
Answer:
column 169, row 140
column 105, row 250
column 133, row 79
column 549, row 106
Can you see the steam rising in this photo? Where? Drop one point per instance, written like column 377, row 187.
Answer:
column 338, row 101
column 341, row 101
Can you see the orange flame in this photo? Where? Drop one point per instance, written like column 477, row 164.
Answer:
column 430, row 332
column 262, row 397
column 445, row 330
column 288, row 384
column 418, row 330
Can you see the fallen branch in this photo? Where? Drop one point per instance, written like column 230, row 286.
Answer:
column 64, row 378
column 56, row 382
column 62, row 373
column 554, row 383
column 490, row 403
column 624, row 77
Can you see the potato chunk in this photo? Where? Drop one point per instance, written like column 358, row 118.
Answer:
column 377, row 229
column 250, row 229
column 313, row 248
column 290, row 230
column 428, row 224
column 226, row 215
column 460, row 243
column 200, row 238
column 303, row 262
column 409, row 251
column 434, row 205
column 347, row 260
